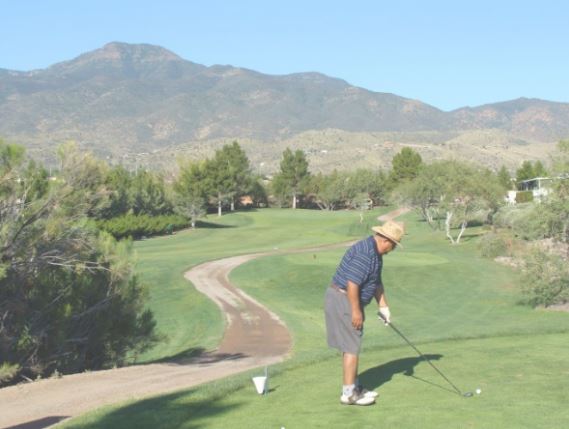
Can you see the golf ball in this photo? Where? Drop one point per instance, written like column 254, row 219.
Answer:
column 478, row 391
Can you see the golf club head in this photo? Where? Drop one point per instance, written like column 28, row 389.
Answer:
column 467, row 394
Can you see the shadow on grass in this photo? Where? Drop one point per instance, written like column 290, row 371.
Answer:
column 212, row 225
column 175, row 410
column 39, row 423
column 197, row 355
column 381, row 374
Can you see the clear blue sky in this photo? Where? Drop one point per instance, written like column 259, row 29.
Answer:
column 446, row 53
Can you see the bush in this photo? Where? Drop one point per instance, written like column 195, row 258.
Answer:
column 142, row 225
column 524, row 197
column 494, row 244
column 8, row 372
column 526, row 221
column 547, row 279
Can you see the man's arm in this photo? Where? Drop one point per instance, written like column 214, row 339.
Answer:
column 380, row 296
column 384, row 312
column 353, row 293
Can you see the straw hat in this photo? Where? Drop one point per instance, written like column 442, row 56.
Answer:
column 391, row 230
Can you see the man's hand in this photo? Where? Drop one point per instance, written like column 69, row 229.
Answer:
column 357, row 319
column 385, row 315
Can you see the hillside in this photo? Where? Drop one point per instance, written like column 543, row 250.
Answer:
column 125, row 100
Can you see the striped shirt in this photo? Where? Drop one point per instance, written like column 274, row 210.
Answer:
column 361, row 265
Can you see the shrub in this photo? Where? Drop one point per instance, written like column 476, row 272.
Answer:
column 8, row 372
column 142, row 225
column 524, row 197
column 526, row 221
column 547, row 279
column 494, row 244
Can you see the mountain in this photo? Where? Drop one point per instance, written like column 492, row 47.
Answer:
column 126, row 99
column 528, row 118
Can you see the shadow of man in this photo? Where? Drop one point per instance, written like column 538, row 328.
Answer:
column 381, row 374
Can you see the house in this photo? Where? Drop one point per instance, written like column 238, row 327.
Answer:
column 540, row 187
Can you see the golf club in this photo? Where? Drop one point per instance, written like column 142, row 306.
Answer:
column 466, row 394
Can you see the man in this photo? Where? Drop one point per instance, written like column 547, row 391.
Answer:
column 356, row 282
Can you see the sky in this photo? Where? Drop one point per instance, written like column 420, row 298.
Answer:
column 449, row 54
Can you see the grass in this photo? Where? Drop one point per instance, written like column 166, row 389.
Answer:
column 459, row 309
column 187, row 319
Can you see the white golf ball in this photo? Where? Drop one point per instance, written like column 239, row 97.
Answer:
column 478, row 391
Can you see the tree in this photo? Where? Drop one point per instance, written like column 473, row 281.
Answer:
column 68, row 298
column 455, row 189
column 466, row 192
column 147, row 195
column 405, row 165
column 293, row 174
column 539, row 170
column 328, row 190
column 556, row 206
column 192, row 189
column 425, row 192
column 525, row 172
column 365, row 184
column 234, row 160
column 119, row 182
column 504, row 178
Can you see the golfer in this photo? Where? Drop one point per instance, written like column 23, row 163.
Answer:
column 356, row 282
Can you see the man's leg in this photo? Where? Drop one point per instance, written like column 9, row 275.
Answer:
column 350, row 365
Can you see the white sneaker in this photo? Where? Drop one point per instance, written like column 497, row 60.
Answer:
column 368, row 393
column 357, row 398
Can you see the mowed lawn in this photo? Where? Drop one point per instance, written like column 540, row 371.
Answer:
column 459, row 309
column 186, row 319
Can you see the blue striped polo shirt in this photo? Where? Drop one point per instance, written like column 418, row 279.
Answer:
column 362, row 265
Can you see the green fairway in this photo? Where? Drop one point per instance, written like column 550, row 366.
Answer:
column 459, row 309
column 187, row 319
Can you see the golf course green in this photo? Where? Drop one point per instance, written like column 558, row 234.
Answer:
column 460, row 310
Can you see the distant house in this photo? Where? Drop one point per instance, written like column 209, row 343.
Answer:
column 540, row 187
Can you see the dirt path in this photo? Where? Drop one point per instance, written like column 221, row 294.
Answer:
column 393, row 214
column 254, row 337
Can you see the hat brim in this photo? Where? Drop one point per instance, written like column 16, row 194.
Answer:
column 379, row 230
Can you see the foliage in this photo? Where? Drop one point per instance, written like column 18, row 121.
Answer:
column 358, row 190
column 68, row 298
column 147, row 195
column 405, row 165
column 530, row 171
column 139, row 226
column 258, row 193
column 425, row 193
column 539, row 169
column 229, row 175
column 494, row 244
column 546, row 279
column 524, row 197
column 556, row 206
column 239, row 168
column 192, row 188
column 504, row 178
column 525, row 172
column 454, row 189
column 293, row 175
column 524, row 220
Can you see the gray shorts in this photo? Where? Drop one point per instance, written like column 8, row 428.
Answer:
column 340, row 333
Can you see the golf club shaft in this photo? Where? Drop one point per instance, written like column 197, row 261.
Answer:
column 424, row 357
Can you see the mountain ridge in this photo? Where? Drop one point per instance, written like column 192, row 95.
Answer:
column 132, row 98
